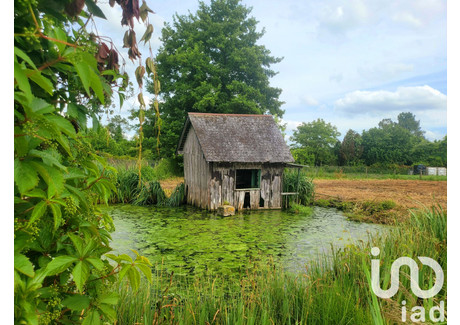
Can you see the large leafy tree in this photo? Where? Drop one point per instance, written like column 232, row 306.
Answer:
column 211, row 62
column 407, row 121
column 388, row 144
column 319, row 138
column 351, row 148
column 63, row 75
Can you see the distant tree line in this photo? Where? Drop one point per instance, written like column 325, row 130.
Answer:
column 390, row 143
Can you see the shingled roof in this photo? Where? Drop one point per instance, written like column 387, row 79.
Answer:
column 237, row 138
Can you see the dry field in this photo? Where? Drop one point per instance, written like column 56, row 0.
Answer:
column 405, row 193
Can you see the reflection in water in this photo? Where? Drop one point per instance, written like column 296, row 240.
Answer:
column 188, row 240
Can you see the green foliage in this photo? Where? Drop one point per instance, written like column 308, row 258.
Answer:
column 61, row 236
column 300, row 209
column 319, row 138
column 305, row 186
column 351, row 149
column 389, row 143
column 167, row 168
column 177, row 197
column 211, row 61
column 148, row 192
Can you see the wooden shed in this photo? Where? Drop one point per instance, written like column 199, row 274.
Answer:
column 235, row 158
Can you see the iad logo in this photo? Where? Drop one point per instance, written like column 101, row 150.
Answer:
column 414, row 285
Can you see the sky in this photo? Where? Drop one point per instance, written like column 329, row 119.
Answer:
column 351, row 63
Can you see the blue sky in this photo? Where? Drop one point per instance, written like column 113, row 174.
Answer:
column 351, row 63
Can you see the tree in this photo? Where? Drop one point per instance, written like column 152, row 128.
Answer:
column 211, row 62
column 408, row 122
column 390, row 144
column 351, row 148
column 320, row 138
column 64, row 75
column 116, row 126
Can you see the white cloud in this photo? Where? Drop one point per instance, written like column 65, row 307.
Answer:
column 309, row 101
column 407, row 18
column 413, row 99
column 346, row 16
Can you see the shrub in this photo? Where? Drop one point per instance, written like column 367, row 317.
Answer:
column 306, row 187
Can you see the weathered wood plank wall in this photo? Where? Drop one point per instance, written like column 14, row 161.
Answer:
column 223, row 186
column 196, row 172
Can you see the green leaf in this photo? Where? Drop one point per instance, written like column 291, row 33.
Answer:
column 49, row 157
column 59, row 264
column 62, row 124
column 23, row 265
column 146, row 270
column 36, row 192
column 108, row 311
column 60, row 35
column 78, row 244
column 25, row 176
column 57, row 215
column 22, row 80
column 96, row 85
column 40, row 106
column 124, row 269
column 94, row 9
column 97, row 263
column 83, row 71
column 134, row 278
column 109, row 298
column 52, row 177
column 77, row 302
column 24, row 56
column 42, row 81
column 38, row 211
column 80, row 274
column 92, row 318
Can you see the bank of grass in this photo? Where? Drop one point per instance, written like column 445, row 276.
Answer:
column 333, row 290
column 383, row 212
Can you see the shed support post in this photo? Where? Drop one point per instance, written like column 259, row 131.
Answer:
column 297, row 189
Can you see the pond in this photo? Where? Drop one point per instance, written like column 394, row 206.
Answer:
column 188, row 241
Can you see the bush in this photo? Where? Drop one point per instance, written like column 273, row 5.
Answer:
column 306, row 187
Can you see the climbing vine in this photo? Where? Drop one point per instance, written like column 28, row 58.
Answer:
column 64, row 75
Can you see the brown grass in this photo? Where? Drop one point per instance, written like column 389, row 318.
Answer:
column 405, row 193
column 168, row 185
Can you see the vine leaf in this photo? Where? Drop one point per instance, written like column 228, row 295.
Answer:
column 60, row 264
column 38, row 211
column 148, row 34
column 76, row 302
column 25, row 175
column 80, row 274
column 93, row 318
column 94, row 9
column 23, row 265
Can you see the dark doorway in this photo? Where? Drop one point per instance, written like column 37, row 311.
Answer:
column 247, row 201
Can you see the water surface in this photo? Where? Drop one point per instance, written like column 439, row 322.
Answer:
column 188, row 240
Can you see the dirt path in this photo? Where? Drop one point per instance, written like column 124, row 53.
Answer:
column 405, row 193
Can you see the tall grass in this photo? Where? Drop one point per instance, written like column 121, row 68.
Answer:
column 147, row 192
column 333, row 290
column 306, row 187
